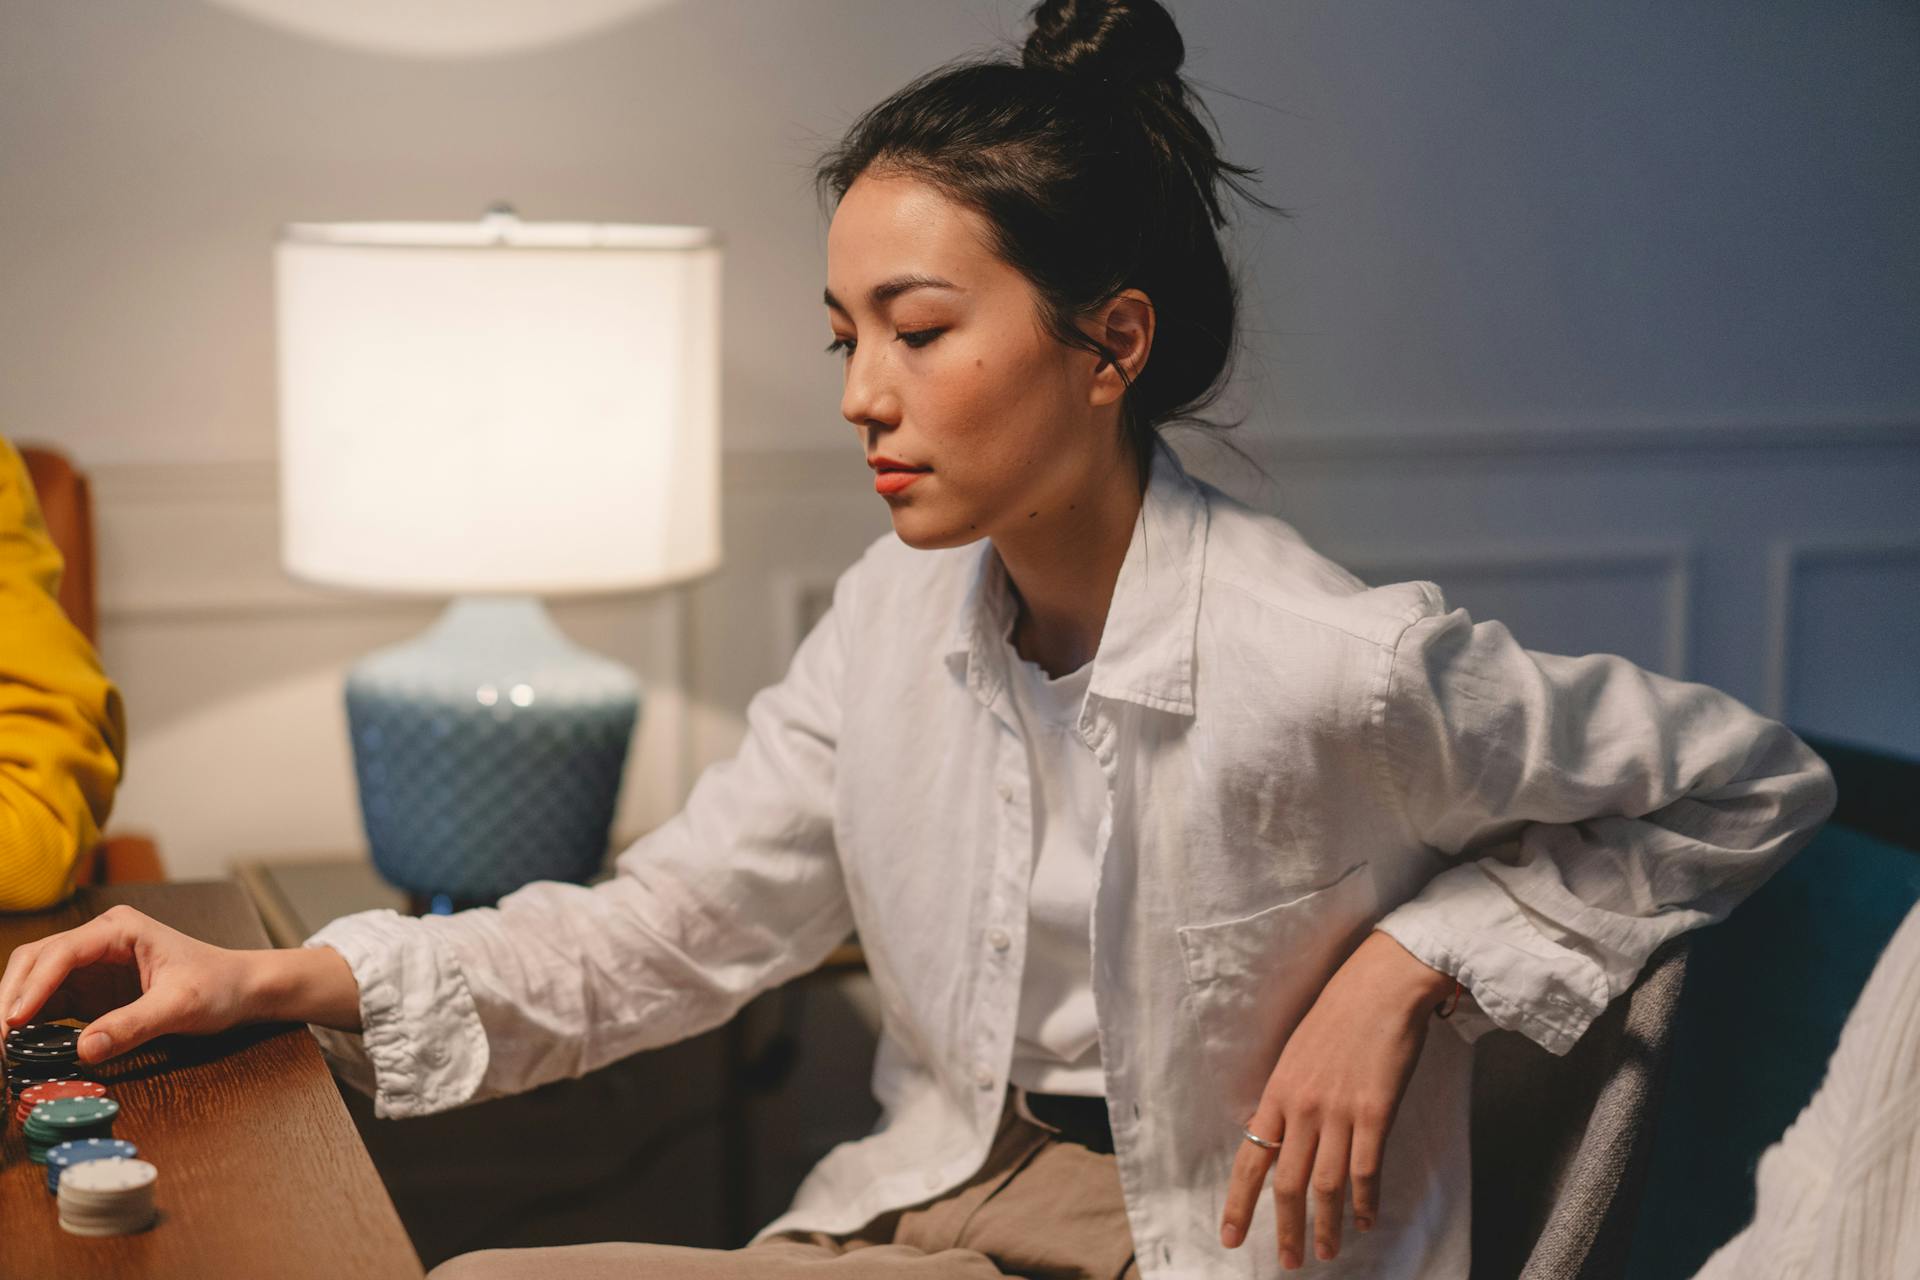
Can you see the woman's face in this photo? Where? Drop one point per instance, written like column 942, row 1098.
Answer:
column 948, row 369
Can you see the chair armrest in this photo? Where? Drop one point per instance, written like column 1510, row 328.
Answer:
column 129, row 859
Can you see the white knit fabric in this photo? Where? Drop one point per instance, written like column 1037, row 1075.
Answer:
column 1839, row 1195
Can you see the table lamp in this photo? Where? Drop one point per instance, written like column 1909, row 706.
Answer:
column 495, row 411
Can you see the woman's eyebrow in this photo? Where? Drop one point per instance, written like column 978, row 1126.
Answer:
column 887, row 290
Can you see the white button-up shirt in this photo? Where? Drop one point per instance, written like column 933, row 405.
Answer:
column 1292, row 759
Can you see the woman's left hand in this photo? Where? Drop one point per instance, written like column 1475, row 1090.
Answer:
column 1332, row 1098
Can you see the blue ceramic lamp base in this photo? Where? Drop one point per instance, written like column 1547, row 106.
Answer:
column 489, row 751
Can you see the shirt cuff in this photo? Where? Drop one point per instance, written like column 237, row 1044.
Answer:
column 421, row 1047
column 1467, row 927
column 1469, row 1021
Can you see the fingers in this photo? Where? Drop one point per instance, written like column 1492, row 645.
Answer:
column 1330, row 1188
column 36, row 970
column 1250, row 1165
column 1321, row 1157
column 1290, row 1175
column 17, row 963
column 60, row 955
column 1368, row 1140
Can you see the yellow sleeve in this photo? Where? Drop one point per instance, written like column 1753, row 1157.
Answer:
column 62, row 727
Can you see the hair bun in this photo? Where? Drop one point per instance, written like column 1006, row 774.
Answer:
column 1124, row 42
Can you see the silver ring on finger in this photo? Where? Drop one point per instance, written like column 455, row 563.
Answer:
column 1257, row 1140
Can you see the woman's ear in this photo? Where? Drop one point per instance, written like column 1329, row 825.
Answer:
column 1125, row 327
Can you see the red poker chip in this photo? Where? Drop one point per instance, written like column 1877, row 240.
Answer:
column 33, row 1095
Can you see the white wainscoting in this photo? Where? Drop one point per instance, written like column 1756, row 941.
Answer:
column 1629, row 597
column 1780, row 563
column 1843, row 635
column 232, row 673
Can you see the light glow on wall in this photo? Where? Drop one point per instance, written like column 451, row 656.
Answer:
column 443, row 28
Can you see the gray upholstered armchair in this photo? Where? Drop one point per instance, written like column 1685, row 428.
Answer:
column 1561, row 1145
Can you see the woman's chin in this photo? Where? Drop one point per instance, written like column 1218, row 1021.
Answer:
column 926, row 531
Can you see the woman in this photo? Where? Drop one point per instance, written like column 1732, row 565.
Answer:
column 1164, row 835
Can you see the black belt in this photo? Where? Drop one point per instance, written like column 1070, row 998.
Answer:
column 1078, row 1118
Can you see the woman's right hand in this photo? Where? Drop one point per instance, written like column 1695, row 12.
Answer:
column 134, row 978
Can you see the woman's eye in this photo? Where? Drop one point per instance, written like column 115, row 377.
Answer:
column 916, row 339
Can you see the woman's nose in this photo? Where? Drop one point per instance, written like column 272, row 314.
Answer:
column 867, row 400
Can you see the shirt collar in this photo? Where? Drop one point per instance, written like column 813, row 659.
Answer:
column 1146, row 648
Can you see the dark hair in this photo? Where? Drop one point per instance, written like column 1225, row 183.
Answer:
column 1090, row 163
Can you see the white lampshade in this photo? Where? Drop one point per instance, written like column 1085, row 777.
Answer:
column 499, row 406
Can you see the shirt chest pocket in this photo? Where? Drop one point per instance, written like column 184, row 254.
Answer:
column 1250, row 980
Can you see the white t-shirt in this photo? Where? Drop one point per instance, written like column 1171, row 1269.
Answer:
column 1056, row 1047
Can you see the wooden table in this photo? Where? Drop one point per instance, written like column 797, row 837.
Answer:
column 261, row 1170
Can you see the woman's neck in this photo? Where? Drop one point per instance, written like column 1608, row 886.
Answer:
column 1063, row 566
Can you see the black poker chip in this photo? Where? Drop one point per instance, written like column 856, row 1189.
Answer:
column 42, row 1033
column 17, row 1070
column 42, row 1063
column 42, row 1070
column 40, row 1053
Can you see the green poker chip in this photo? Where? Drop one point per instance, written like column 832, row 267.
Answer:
column 65, row 1120
column 67, row 1113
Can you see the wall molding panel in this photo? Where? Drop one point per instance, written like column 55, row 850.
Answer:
column 1550, row 568
column 1703, row 552
column 232, row 670
column 191, row 538
column 1797, row 565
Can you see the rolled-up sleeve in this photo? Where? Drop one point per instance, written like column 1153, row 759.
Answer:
column 1590, row 810
column 738, row 892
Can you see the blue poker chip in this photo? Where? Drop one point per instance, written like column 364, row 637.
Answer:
column 65, row 1155
column 80, row 1149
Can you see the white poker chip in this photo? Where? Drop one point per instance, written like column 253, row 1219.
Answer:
column 107, row 1197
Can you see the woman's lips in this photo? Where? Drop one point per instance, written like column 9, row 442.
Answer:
column 890, row 482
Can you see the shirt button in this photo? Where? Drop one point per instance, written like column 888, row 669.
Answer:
column 1006, row 792
column 983, row 1076
column 999, row 939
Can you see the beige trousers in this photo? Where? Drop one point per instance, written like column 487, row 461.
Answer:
column 1041, row 1206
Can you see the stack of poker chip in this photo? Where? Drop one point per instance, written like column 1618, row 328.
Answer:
column 66, row 1155
column 110, row 1197
column 34, row 1095
column 65, row 1120
column 41, row 1053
